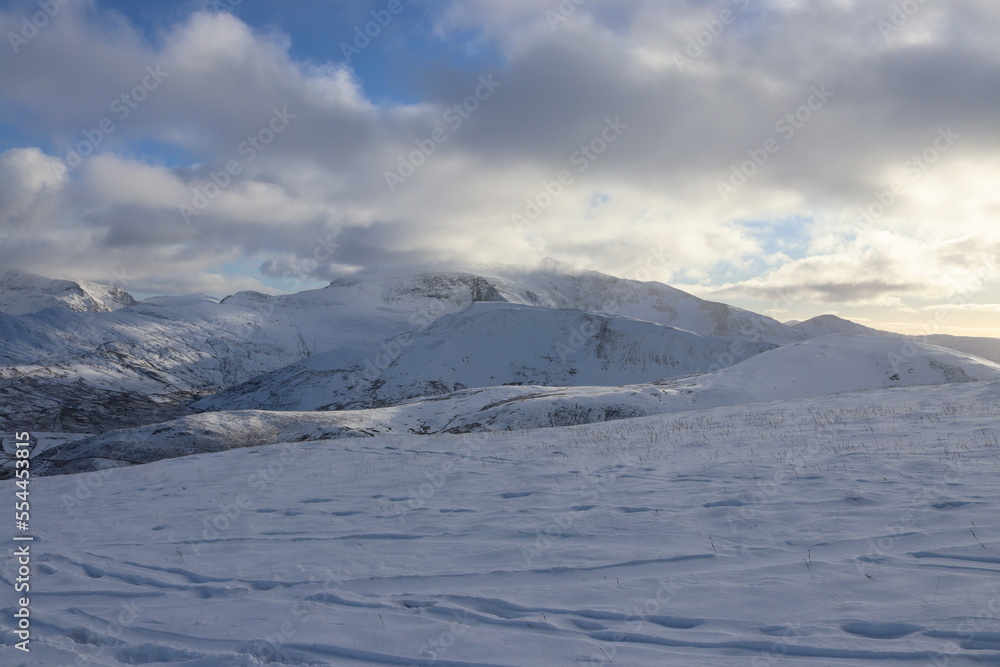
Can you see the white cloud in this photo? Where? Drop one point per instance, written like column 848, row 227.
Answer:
column 323, row 175
column 113, row 180
column 29, row 183
column 972, row 307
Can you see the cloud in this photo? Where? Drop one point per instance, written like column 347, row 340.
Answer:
column 704, row 88
column 877, row 268
column 113, row 180
column 973, row 307
column 28, row 181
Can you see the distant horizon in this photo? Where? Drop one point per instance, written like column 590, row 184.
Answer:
column 141, row 296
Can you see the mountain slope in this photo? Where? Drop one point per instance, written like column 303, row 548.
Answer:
column 22, row 293
column 93, row 371
column 987, row 348
column 487, row 344
column 840, row 363
column 556, row 287
column 822, row 325
column 96, row 371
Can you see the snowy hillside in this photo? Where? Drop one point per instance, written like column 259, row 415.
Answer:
column 343, row 345
column 557, row 287
column 488, row 344
column 822, row 366
column 90, row 372
column 556, row 469
column 987, row 348
column 846, row 362
column 822, row 325
column 22, row 293
column 62, row 370
column 859, row 529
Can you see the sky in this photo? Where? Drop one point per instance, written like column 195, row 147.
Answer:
column 793, row 158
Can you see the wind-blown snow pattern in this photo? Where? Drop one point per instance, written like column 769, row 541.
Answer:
column 858, row 529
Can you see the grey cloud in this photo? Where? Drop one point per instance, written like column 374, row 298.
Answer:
column 828, row 292
column 686, row 129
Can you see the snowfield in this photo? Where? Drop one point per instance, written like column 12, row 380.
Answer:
column 842, row 530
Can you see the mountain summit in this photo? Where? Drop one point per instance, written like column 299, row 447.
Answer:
column 22, row 293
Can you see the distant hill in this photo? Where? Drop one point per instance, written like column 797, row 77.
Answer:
column 22, row 293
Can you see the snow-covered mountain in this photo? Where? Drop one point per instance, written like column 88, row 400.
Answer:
column 22, row 293
column 822, row 325
column 556, row 287
column 63, row 370
column 834, row 364
column 987, row 348
column 368, row 341
column 487, row 344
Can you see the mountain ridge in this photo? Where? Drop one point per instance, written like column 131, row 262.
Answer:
column 87, row 371
column 23, row 293
column 824, row 366
column 488, row 344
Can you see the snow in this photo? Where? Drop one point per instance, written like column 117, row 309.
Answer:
column 987, row 348
column 146, row 362
column 857, row 529
column 832, row 364
column 557, row 287
column 487, row 344
column 180, row 300
column 823, row 325
column 22, row 293
column 543, row 468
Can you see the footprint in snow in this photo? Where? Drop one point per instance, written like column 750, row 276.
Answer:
column 516, row 494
